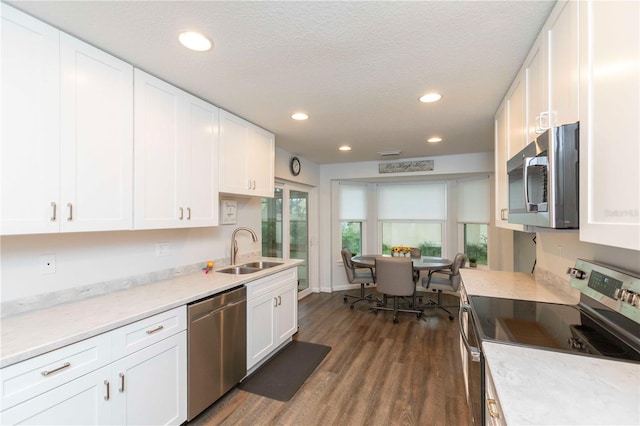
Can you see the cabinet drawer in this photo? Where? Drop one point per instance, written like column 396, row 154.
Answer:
column 259, row 287
column 133, row 337
column 34, row 376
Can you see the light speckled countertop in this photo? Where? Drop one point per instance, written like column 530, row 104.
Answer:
column 539, row 387
column 542, row 387
column 33, row 333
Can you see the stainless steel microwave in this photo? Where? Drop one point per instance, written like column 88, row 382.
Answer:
column 544, row 180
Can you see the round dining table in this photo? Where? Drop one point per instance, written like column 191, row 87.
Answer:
column 423, row 263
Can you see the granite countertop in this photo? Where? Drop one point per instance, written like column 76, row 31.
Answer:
column 545, row 387
column 518, row 285
column 539, row 387
column 33, row 333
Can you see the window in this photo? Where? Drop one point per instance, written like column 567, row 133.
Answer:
column 423, row 235
column 412, row 215
column 473, row 217
column 353, row 215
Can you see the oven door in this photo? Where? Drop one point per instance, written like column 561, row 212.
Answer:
column 475, row 364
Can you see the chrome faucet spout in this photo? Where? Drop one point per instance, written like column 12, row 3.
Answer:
column 234, row 243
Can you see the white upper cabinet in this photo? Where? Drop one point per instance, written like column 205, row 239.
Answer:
column 536, row 90
column 67, row 132
column 609, row 130
column 96, row 146
column 563, row 67
column 517, row 115
column 176, row 154
column 30, row 143
column 247, row 157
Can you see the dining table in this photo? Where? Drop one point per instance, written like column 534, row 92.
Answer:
column 422, row 263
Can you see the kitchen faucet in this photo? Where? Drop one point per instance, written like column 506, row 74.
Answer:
column 234, row 243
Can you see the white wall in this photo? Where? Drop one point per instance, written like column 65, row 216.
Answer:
column 96, row 257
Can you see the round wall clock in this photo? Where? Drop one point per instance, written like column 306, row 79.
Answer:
column 295, row 166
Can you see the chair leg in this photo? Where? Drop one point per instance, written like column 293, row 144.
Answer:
column 360, row 298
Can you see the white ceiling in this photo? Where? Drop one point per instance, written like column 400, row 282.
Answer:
column 357, row 68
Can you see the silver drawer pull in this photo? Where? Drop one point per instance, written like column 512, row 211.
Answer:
column 121, row 383
column 154, row 330
column 70, row 217
column 63, row 366
column 53, row 211
column 106, row 397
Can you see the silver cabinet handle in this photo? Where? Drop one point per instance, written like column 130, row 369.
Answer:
column 188, row 213
column 155, row 330
column 70, row 217
column 63, row 366
column 279, row 300
column 490, row 404
column 54, row 209
column 121, row 382
column 106, row 397
column 275, row 302
column 181, row 213
column 254, row 184
column 502, row 214
column 249, row 181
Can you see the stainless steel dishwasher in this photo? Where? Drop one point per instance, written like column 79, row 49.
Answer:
column 217, row 347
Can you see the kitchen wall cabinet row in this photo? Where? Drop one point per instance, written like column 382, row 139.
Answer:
column 132, row 375
column 69, row 151
column 582, row 67
column 544, row 94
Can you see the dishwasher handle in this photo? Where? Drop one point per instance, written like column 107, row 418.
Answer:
column 203, row 315
column 473, row 351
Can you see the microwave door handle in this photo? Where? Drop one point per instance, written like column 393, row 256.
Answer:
column 533, row 161
column 525, row 180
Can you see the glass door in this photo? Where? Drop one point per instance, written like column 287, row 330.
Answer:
column 285, row 228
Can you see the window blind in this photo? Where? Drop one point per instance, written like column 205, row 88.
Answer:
column 424, row 201
column 353, row 201
column 473, row 201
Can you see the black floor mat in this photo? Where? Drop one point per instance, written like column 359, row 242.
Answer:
column 281, row 377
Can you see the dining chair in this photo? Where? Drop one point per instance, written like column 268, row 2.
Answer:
column 357, row 275
column 447, row 279
column 394, row 279
column 415, row 253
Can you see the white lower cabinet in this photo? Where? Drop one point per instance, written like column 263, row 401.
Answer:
column 87, row 383
column 494, row 416
column 272, row 314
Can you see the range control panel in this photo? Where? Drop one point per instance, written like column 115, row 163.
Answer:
column 618, row 289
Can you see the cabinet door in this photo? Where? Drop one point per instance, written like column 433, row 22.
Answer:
column 286, row 312
column 234, row 154
column 157, row 145
column 150, row 386
column 82, row 401
column 609, row 131
column 30, row 144
column 563, row 68
column 537, row 105
column 517, row 116
column 262, row 162
column 199, row 193
column 96, row 177
column 260, row 327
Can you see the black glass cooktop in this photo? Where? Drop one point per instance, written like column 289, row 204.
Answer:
column 551, row 326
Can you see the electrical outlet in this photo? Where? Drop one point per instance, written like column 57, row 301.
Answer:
column 47, row 264
column 162, row 249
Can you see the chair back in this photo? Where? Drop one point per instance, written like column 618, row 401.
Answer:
column 415, row 253
column 394, row 276
column 348, row 265
column 458, row 262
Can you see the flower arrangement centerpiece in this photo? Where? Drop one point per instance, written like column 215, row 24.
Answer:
column 400, row 251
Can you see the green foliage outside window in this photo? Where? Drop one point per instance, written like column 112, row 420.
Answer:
column 352, row 236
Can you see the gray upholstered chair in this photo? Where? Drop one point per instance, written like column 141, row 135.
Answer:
column 415, row 253
column 394, row 278
column 444, row 279
column 357, row 275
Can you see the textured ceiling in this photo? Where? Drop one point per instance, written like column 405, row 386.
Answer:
column 357, row 68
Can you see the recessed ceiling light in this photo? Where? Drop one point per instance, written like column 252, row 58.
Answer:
column 431, row 97
column 345, row 148
column 434, row 139
column 300, row 116
column 194, row 41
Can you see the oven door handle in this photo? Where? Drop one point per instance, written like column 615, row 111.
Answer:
column 473, row 351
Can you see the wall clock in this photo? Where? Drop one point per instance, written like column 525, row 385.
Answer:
column 295, row 166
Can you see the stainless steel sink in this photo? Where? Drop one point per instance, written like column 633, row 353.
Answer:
column 239, row 270
column 261, row 264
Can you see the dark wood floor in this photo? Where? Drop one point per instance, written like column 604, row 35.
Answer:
column 377, row 373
